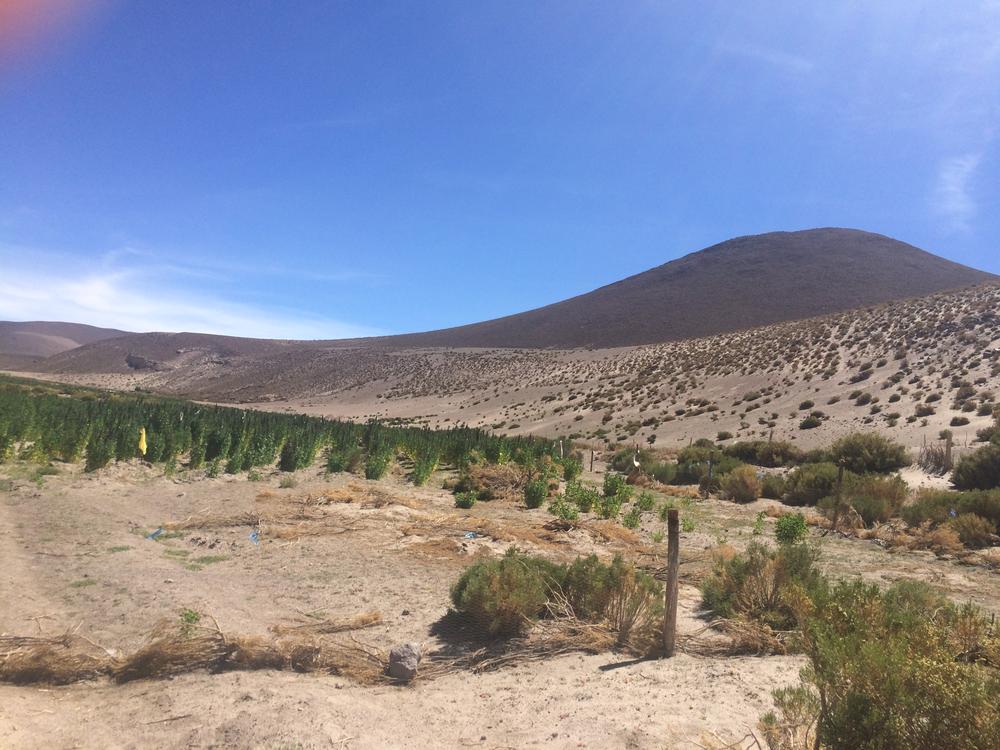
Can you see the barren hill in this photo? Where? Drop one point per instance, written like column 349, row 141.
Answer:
column 24, row 343
column 742, row 283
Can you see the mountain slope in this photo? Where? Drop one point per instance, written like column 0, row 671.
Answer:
column 742, row 283
column 24, row 343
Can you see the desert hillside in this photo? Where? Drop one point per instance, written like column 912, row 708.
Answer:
column 907, row 368
column 22, row 344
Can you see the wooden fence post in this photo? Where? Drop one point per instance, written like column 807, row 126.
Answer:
column 673, row 563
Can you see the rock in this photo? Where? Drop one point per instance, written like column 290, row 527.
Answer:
column 403, row 661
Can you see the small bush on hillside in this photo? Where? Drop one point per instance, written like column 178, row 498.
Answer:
column 610, row 507
column 791, row 528
column 645, row 502
column 343, row 459
column 724, row 435
column 741, row 485
column 979, row 470
column 869, row 453
column 535, row 493
column 959, row 421
column 810, row 423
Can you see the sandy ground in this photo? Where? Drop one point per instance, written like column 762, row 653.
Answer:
column 75, row 555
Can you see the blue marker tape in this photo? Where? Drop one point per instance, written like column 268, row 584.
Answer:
column 154, row 534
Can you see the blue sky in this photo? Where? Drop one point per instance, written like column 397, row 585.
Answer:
column 323, row 169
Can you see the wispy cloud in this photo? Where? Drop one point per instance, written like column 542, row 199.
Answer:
column 953, row 195
column 785, row 61
column 40, row 286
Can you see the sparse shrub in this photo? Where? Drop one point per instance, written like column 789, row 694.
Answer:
column 805, row 405
column 633, row 518
column 563, row 508
column 724, row 435
column 741, row 485
column 973, row 530
column 755, row 584
column 959, row 421
column 936, row 507
column 535, row 493
column 465, row 500
column 869, row 452
column 287, row 482
column 791, row 528
column 875, row 498
column 923, row 410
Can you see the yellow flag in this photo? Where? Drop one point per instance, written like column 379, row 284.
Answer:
column 142, row 441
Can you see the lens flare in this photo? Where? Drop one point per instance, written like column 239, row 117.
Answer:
column 31, row 28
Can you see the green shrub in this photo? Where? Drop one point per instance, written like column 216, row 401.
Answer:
column 423, row 467
column 633, row 518
column 465, row 500
column 892, row 674
column 664, row 472
column 810, row 483
column 938, row 506
column 613, row 484
column 959, row 421
column 610, row 507
column 869, row 453
column 572, row 468
column 502, row 597
column 724, row 435
column 979, row 470
column 771, row 454
column 741, row 485
column 791, row 528
column 377, row 464
column 535, row 493
column 645, row 502
column 561, row 507
column 584, row 496
column 875, row 498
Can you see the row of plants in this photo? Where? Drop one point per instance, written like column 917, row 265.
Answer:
column 44, row 422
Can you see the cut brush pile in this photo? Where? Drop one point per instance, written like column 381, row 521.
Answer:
column 173, row 649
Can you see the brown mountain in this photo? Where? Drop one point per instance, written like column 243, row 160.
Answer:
column 743, row 283
column 22, row 344
column 738, row 284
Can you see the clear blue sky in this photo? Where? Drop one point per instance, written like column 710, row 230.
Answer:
column 318, row 169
